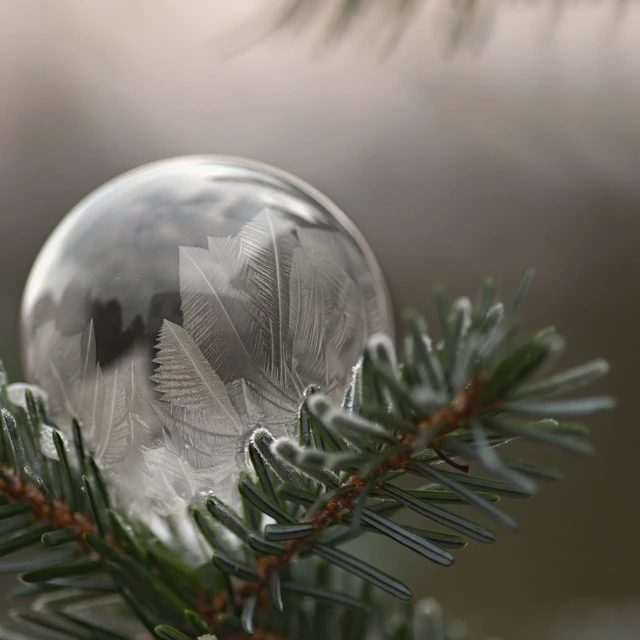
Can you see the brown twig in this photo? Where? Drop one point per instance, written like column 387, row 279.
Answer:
column 55, row 512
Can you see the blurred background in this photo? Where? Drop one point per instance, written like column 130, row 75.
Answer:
column 518, row 146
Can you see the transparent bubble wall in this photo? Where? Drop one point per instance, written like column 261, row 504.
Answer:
column 183, row 304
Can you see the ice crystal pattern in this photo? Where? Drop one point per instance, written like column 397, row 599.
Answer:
column 266, row 313
column 108, row 404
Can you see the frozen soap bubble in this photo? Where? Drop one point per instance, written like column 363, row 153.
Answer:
column 187, row 302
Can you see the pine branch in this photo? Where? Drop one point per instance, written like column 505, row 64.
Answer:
column 443, row 403
column 353, row 493
column 277, row 568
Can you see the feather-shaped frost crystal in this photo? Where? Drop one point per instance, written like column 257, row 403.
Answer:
column 184, row 304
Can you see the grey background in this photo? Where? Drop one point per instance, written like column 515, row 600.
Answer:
column 523, row 153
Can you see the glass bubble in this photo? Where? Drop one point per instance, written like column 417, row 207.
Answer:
column 187, row 302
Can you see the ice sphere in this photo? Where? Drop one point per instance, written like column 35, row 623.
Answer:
column 187, row 302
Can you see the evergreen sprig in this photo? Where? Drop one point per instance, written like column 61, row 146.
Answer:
column 89, row 572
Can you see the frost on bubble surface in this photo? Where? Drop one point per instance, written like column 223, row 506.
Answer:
column 266, row 313
column 258, row 314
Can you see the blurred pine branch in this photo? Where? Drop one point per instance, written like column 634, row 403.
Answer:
column 457, row 23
